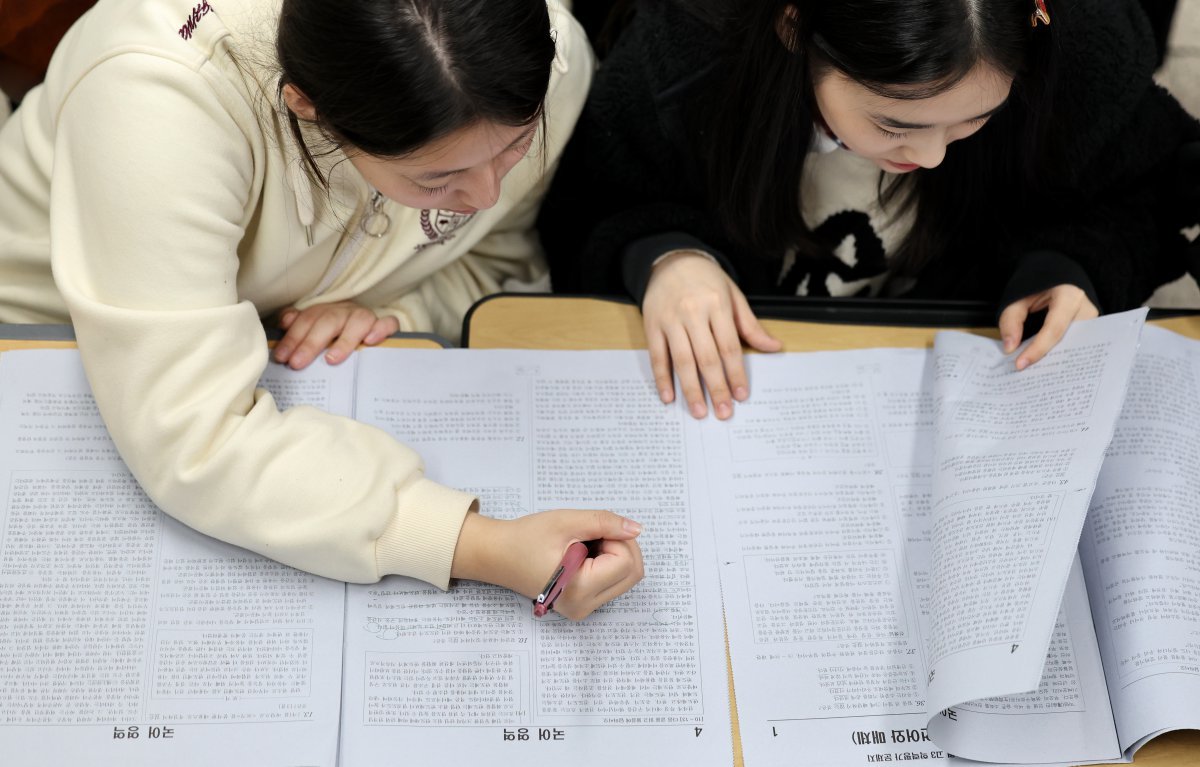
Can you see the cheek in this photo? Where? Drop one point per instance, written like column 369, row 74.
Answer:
column 960, row 132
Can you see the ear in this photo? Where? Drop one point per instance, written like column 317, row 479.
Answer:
column 298, row 103
column 785, row 27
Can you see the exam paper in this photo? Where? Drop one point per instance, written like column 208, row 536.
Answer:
column 126, row 637
column 1141, row 546
column 1015, row 463
column 896, row 529
column 468, row 674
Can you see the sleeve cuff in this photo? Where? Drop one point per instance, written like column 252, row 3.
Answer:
column 640, row 256
column 421, row 539
column 1040, row 270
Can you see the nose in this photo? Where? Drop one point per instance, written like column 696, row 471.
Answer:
column 483, row 190
column 928, row 153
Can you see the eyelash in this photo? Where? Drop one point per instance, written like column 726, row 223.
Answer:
column 895, row 135
column 434, row 191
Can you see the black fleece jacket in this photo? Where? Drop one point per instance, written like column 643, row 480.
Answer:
column 631, row 183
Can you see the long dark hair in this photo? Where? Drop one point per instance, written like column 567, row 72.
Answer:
column 389, row 76
column 896, row 48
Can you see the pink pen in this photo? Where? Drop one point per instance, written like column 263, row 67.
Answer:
column 576, row 553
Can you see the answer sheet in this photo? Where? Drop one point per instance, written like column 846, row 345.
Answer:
column 469, row 675
column 127, row 638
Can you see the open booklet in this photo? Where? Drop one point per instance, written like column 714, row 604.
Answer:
column 128, row 639
column 891, row 533
column 898, row 534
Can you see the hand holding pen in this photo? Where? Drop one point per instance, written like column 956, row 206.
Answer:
column 520, row 553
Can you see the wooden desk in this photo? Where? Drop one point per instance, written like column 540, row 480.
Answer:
column 557, row 322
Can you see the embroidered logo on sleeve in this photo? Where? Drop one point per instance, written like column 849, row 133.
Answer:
column 440, row 225
column 201, row 10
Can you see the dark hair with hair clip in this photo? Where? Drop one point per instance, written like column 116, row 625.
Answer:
column 907, row 49
column 390, row 76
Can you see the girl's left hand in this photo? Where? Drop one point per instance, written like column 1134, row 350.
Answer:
column 1063, row 304
column 339, row 327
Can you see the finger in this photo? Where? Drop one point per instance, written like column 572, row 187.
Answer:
column 712, row 370
column 729, row 347
column 356, row 328
column 287, row 318
column 1058, row 319
column 660, row 365
column 296, row 332
column 609, row 547
column 383, row 327
column 324, row 329
column 604, row 525
column 750, row 329
column 685, row 368
column 626, row 563
column 1012, row 324
column 602, row 579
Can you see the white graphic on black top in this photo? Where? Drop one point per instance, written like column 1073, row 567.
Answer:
column 855, row 254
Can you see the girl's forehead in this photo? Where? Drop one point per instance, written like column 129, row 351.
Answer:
column 476, row 141
column 981, row 91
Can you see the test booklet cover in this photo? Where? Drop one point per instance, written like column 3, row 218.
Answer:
column 900, row 541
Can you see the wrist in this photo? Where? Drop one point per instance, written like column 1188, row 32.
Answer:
column 679, row 254
column 475, row 554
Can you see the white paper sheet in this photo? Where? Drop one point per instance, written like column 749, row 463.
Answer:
column 888, row 517
column 125, row 637
column 468, row 676
column 1141, row 547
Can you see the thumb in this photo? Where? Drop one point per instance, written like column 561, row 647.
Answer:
column 750, row 329
column 606, row 525
column 1012, row 323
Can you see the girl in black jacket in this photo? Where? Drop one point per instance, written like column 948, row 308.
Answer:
column 1014, row 151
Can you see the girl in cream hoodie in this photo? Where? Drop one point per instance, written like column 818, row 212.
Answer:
column 190, row 167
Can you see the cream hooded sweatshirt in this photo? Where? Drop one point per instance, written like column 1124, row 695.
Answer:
column 154, row 174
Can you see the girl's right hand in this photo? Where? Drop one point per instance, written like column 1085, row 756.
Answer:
column 696, row 319
column 521, row 554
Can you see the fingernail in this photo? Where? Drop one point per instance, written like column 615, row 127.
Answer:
column 631, row 527
column 332, row 357
column 698, row 409
column 1022, row 363
column 1010, row 343
column 724, row 410
column 741, row 393
column 666, row 395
